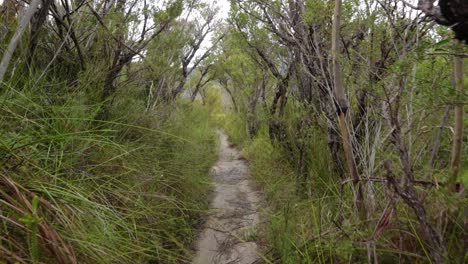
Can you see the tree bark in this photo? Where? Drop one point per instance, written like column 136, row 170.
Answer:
column 437, row 141
column 252, row 122
column 458, row 131
column 233, row 99
column 342, row 109
column 201, row 83
column 38, row 21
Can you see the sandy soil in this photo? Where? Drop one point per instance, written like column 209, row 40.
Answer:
column 228, row 235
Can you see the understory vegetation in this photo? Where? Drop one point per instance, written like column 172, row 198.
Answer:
column 351, row 115
column 85, row 191
column 352, row 129
column 309, row 216
column 94, row 169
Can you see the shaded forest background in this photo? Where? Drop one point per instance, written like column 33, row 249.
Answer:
column 350, row 113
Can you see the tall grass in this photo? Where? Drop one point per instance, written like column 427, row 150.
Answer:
column 74, row 190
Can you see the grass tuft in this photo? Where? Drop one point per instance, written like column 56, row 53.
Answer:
column 74, row 190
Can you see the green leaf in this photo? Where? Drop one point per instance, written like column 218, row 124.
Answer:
column 442, row 44
column 35, row 204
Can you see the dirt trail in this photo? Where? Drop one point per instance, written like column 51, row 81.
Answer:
column 227, row 235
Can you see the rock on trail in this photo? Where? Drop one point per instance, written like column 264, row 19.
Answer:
column 228, row 233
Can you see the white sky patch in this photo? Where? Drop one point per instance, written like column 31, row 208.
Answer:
column 224, row 6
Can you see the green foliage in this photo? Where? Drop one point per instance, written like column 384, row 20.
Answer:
column 173, row 10
column 294, row 222
column 32, row 221
column 130, row 190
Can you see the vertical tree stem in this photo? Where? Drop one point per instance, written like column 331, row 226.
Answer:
column 458, row 132
column 342, row 109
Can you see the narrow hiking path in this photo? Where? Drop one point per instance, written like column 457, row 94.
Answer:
column 226, row 237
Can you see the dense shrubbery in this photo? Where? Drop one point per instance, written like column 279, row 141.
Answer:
column 352, row 117
column 310, row 218
column 347, row 112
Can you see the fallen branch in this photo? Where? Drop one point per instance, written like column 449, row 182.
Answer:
column 385, row 180
column 436, row 53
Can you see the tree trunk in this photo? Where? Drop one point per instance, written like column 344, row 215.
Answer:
column 276, row 126
column 179, row 88
column 36, row 25
column 252, row 122
column 342, row 108
column 201, row 83
column 458, row 132
column 437, row 141
column 233, row 99
column 8, row 13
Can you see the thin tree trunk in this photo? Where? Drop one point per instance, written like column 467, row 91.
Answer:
column 37, row 23
column 201, row 83
column 233, row 99
column 17, row 37
column 342, row 108
column 458, row 132
column 262, row 94
column 179, row 87
column 252, row 122
column 437, row 140
column 73, row 34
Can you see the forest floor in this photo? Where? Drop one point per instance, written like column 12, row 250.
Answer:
column 230, row 230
